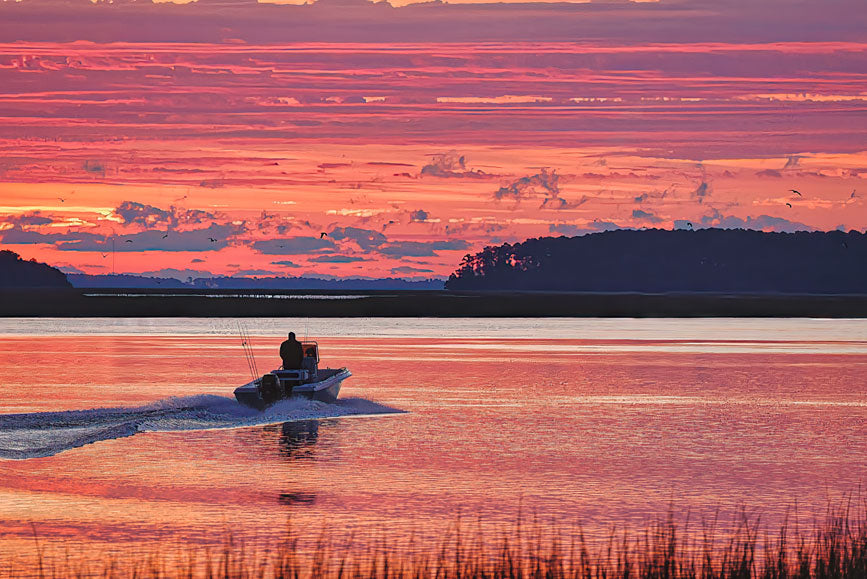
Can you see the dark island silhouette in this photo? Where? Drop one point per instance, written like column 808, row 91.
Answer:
column 663, row 261
column 18, row 273
column 623, row 273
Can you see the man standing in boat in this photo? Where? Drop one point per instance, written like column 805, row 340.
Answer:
column 292, row 353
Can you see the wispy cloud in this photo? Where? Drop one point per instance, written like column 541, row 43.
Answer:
column 595, row 226
column 212, row 238
column 293, row 246
column 761, row 223
column 18, row 236
column 94, row 167
column 450, row 165
column 419, row 216
column 769, row 173
column 336, row 259
column 792, row 161
column 556, row 202
column 544, row 183
column 149, row 216
column 702, row 191
column 286, row 263
column 421, row 248
column 132, row 212
column 34, row 218
column 645, row 216
column 366, row 239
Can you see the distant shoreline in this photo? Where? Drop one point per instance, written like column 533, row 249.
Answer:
column 102, row 302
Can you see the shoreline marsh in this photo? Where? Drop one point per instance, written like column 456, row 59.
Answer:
column 672, row 547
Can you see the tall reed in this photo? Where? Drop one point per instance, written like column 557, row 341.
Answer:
column 835, row 548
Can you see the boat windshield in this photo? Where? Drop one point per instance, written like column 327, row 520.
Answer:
column 311, row 350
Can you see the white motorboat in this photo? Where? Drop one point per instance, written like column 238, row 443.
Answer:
column 309, row 381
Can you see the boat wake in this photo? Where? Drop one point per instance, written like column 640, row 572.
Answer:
column 41, row 434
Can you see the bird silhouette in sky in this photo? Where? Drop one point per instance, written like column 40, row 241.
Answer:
column 166, row 235
column 796, row 192
column 789, row 205
column 63, row 199
column 127, row 240
column 212, row 240
column 104, row 255
column 688, row 224
column 852, row 195
column 323, row 234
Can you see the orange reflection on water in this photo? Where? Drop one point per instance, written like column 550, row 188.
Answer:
column 603, row 432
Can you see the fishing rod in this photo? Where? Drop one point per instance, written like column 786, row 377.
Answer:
column 248, row 353
column 252, row 355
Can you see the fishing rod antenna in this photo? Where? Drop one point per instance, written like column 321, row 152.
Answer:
column 248, row 352
column 252, row 354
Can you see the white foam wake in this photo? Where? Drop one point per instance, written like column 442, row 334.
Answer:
column 40, row 434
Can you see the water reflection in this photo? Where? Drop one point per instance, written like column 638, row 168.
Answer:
column 298, row 439
column 297, row 498
column 296, row 442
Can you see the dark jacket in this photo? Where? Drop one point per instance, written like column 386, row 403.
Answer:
column 292, row 354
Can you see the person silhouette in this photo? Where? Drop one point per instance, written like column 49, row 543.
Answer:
column 292, row 353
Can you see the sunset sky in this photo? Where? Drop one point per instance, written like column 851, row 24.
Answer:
column 345, row 138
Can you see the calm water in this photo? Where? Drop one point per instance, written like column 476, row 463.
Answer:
column 595, row 421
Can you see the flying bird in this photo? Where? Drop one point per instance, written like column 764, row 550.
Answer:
column 212, row 240
column 127, row 240
column 62, row 200
column 166, row 235
column 789, row 205
column 688, row 224
column 796, row 192
column 852, row 195
column 104, row 255
column 323, row 234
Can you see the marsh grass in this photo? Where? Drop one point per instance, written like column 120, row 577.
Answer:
column 670, row 548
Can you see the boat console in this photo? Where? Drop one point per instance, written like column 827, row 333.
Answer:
column 308, row 381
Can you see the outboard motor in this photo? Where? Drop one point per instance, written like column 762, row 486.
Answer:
column 269, row 388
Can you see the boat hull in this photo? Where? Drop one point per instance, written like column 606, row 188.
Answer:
column 325, row 389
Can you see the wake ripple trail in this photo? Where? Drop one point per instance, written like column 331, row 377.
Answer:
column 41, row 434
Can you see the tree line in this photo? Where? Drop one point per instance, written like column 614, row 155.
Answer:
column 656, row 260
